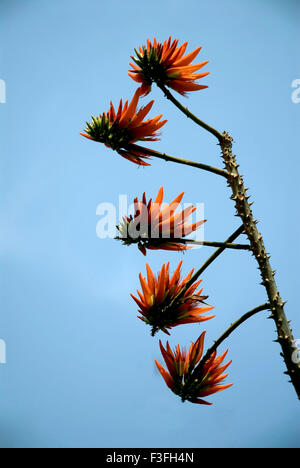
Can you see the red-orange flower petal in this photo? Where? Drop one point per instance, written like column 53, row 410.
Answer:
column 166, row 64
column 188, row 377
column 158, row 303
column 155, row 227
column 120, row 131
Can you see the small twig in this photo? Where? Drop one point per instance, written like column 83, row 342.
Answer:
column 167, row 157
column 213, row 257
column 229, row 330
column 199, row 369
column 227, row 245
column 189, row 114
column 159, row 241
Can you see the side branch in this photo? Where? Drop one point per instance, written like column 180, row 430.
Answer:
column 210, row 260
column 157, row 242
column 227, row 245
column 166, row 157
column 189, row 114
column 232, row 327
column 197, row 372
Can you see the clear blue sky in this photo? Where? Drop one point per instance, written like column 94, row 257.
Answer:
column 80, row 369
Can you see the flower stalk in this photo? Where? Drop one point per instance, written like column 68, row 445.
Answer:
column 227, row 245
column 231, row 328
column 167, row 157
column 211, row 259
column 198, row 371
column 189, row 114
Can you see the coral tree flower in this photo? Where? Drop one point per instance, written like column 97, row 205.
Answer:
column 157, row 301
column 154, row 226
column 189, row 381
column 121, row 129
column 166, row 64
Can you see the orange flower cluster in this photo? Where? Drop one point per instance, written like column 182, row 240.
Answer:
column 154, row 226
column 166, row 64
column 158, row 293
column 190, row 382
column 163, row 63
column 121, row 129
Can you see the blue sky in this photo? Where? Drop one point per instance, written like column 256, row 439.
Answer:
column 80, row 369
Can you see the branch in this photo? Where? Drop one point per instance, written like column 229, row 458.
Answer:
column 199, row 369
column 213, row 257
column 166, row 157
column 243, row 208
column 157, row 242
column 189, row 114
column 232, row 327
column 226, row 245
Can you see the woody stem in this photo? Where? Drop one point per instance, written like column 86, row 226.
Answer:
column 197, row 372
column 210, row 260
column 228, row 332
column 167, row 157
column 189, row 114
column 159, row 241
column 243, row 208
column 227, row 245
